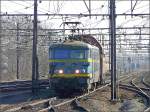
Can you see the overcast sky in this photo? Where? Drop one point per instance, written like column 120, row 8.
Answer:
column 77, row 7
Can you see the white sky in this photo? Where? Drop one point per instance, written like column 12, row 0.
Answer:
column 77, row 7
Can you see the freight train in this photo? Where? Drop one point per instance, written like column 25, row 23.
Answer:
column 75, row 65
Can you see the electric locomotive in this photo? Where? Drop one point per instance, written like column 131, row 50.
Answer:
column 73, row 65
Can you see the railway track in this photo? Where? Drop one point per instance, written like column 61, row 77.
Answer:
column 51, row 107
column 145, row 83
column 50, row 104
column 75, row 99
column 15, row 82
column 140, row 92
column 56, row 102
column 127, row 87
column 144, row 91
column 141, row 85
column 21, row 85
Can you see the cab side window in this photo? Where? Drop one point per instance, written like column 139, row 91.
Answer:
column 96, row 59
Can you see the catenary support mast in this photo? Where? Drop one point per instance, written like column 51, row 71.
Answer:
column 17, row 53
column 0, row 42
column 113, row 50
column 34, row 52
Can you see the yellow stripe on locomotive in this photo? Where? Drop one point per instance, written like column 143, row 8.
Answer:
column 70, row 75
column 73, row 60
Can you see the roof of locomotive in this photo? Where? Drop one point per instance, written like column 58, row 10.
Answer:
column 73, row 44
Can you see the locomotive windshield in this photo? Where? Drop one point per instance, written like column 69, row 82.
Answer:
column 61, row 54
column 77, row 54
column 65, row 54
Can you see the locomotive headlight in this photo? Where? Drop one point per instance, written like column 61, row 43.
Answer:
column 60, row 71
column 77, row 71
column 83, row 71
